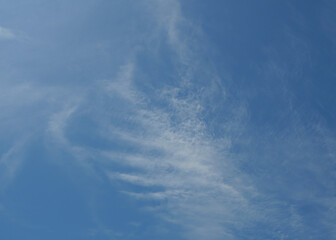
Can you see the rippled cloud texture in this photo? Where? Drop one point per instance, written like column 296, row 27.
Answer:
column 163, row 119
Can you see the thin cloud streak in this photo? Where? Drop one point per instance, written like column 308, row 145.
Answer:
column 11, row 162
column 6, row 33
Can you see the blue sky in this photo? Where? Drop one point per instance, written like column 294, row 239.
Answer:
column 167, row 119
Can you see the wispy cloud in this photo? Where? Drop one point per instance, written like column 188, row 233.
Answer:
column 57, row 124
column 25, row 111
column 11, row 162
column 6, row 33
column 175, row 152
column 176, row 142
column 57, row 129
column 171, row 151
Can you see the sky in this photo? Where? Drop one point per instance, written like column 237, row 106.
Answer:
column 167, row 119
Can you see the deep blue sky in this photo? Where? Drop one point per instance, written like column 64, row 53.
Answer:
column 167, row 119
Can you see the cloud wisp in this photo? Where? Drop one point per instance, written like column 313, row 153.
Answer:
column 174, row 153
column 6, row 33
column 163, row 142
column 167, row 147
column 144, row 108
column 10, row 163
column 171, row 150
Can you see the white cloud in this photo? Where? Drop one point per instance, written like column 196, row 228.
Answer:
column 57, row 123
column 11, row 162
column 174, row 151
column 123, row 85
column 24, row 111
column 172, row 148
column 6, row 33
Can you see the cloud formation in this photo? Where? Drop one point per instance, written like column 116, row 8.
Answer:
column 10, row 163
column 166, row 129
column 168, row 147
column 6, row 33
